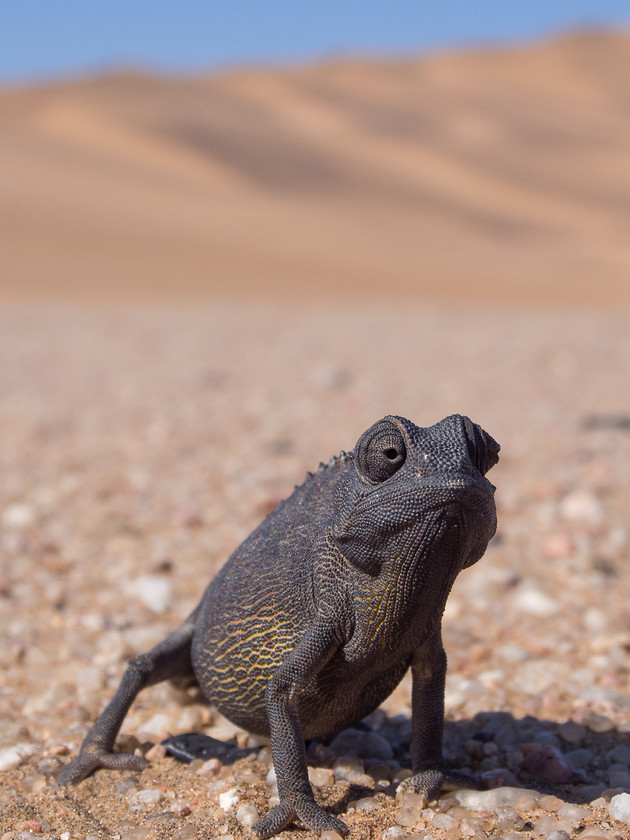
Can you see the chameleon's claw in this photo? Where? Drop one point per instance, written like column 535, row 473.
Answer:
column 304, row 809
column 86, row 762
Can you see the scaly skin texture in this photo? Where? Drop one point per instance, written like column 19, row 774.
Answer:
column 316, row 617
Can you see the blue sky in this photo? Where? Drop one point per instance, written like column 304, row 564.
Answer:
column 40, row 39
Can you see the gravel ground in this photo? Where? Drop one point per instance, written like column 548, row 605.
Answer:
column 140, row 445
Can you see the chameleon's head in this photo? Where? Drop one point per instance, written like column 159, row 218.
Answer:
column 415, row 488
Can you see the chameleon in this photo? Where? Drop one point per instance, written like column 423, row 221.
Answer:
column 317, row 616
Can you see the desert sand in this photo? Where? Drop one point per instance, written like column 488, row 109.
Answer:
column 211, row 285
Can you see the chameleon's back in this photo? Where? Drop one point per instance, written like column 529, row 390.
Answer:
column 260, row 603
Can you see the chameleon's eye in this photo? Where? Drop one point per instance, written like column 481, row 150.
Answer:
column 380, row 452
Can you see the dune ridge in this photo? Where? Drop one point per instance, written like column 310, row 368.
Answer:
column 499, row 175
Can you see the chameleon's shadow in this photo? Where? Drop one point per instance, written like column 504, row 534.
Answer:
column 568, row 760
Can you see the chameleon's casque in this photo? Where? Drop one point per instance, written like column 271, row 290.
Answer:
column 316, row 617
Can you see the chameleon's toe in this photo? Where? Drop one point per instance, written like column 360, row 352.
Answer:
column 304, row 809
column 317, row 819
column 277, row 819
column 86, row 762
column 429, row 783
column 457, row 779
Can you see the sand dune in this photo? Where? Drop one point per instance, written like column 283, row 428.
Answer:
column 485, row 175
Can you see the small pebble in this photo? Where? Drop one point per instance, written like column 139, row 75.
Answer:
column 229, row 798
column 349, row 769
column 148, row 796
column 33, row 825
column 34, row 783
column 368, row 803
column 17, row 516
column 572, row 733
column 534, row 602
column 580, row 758
column 210, row 768
column 619, row 807
column 154, row 591
column 186, row 832
column 156, row 753
column 330, row 835
column 599, row 723
column 412, row 800
column 619, row 755
column 247, row 815
column 393, row 833
column 509, row 818
column 550, row 803
column 50, row 766
column 443, row 822
column 408, row 816
column 10, row 758
column 569, row 811
column 321, row 776
column 548, row 764
column 141, row 832
column 490, row 800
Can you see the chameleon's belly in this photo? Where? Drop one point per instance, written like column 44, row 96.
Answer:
column 234, row 668
column 233, row 663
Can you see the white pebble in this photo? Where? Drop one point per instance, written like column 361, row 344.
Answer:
column 368, row 803
column 619, row 807
column 320, row 776
column 443, row 822
column 534, row 602
column 581, row 506
column 10, row 758
column 408, row 816
column 247, row 815
column 18, row 516
column 154, row 591
column 489, row 800
column 569, row 811
column 148, row 796
column 160, row 725
column 230, row 798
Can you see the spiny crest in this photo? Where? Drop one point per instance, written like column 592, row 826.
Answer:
column 334, row 460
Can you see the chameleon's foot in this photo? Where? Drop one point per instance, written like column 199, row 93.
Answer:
column 429, row 783
column 303, row 808
column 88, row 761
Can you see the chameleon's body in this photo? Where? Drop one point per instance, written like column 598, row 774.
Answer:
column 317, row 616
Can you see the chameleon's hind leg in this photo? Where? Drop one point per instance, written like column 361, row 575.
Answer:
column 168, row 660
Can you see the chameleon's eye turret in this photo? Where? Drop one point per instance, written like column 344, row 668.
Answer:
column 380, row 452
column 482, row 448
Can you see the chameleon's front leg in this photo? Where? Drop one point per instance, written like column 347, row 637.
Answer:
column 428, row 668
column 312, row 652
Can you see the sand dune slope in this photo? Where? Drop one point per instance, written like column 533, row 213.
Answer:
column 482, row 175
